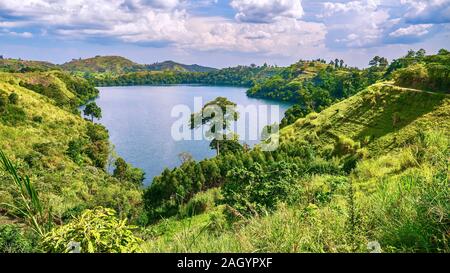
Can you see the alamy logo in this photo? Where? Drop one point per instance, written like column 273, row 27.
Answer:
column 221, row 119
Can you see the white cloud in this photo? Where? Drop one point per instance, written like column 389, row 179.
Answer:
column 284, row 37
column 19, row 34
column 167, row 22
column 130, row 20
column 266, row 11
column 427, row 11
column 413, row 30
column 355, row 23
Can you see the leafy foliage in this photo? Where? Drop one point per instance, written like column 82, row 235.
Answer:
column 93, row 111
column 28, row 205
column 233, row 76
column 125, row 172
column 97, row 231
column 12, row 240
column 258, row 189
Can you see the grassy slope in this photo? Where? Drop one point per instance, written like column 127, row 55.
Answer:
column 384, row 215
column 62, row 183
column 387, row 114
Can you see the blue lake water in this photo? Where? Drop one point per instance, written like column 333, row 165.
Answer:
column 139, row 122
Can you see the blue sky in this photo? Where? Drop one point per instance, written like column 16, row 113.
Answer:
column 222, row 33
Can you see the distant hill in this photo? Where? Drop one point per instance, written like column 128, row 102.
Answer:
column 121, row 65
column 102, row 64
column 18, row 65
column 173, row 66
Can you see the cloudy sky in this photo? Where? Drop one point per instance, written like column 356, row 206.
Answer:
column 222, row 33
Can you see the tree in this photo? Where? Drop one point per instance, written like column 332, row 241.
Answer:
column 106, row 234
column 120, row 172
column 185, row 157
column 375, row 61
column 217, row 115
column 126, row 172
column 13, row 98
column 411, row 54
column 383, row 62
column 443, row 51
column 336, row 63
column 420, row 53
column 341, row 63
column 93, row 111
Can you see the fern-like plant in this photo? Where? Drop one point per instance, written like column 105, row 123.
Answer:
column 28, row 206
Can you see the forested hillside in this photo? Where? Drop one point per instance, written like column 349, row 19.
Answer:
column 315, row 85
column 234, row 76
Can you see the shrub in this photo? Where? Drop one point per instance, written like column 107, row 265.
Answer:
column 37, row 119
column 11, row 114
column 97, row 231
column 13, row 98
column 258, row 189
column 12, row 240
column 346, row 146
column 200, row 203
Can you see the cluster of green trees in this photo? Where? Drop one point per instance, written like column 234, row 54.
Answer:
column 416, row 70
column 169, row 191
column 313, row 86
column 233, row 76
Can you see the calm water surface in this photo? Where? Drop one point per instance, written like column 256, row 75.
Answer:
column 139, row 122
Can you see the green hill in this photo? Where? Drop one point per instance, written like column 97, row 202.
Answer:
column 102, row 64
column 16, row 65
column 173, row 66
column 119, row 65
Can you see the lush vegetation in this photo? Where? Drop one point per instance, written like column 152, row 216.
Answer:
column 364, row 170
column 315, row 85
column 63, row 156
column 116, row 65
column 96, row 231
column 363, row 161
column 235, row 76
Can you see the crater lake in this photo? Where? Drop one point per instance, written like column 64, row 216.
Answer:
column 140, row 120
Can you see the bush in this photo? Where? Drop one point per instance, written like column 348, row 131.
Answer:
column 11, row 114
column 37, row 119
column 12, row 240
column 258, row 189
column 345, row 146
column 13, row 98
column 200, row 203
column 75, row 150
column 97, row 231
